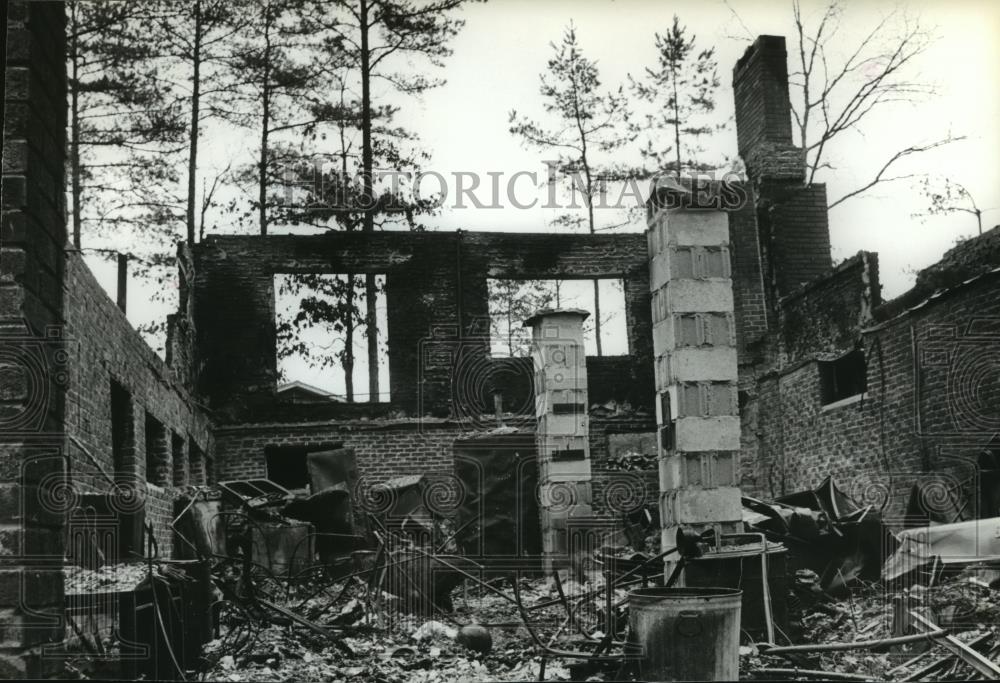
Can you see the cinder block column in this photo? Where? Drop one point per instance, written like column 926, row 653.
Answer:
column 694, row 344
column 560, row 365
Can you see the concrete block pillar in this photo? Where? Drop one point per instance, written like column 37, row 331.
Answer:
column 560, row 366
column 694, row 344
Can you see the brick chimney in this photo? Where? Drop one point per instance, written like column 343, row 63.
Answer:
column 763, row 112
column 792, row 225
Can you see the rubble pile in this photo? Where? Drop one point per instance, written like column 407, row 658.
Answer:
column 409, row 606
column 110, row 578
column 405, row 647
column 962, row 606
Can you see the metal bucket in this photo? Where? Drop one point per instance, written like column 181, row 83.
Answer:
column 686, row 634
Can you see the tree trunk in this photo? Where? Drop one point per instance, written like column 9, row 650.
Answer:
column 593, row 231
column 265, row 122
column 367, row 170
column 510, row 329
column 597, row 317
column 349, row 341
column 349, row 317
column 74, row 148
column 590, row 212
column 677, row 127
column 195, row 112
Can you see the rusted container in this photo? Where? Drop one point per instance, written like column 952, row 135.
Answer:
column 686, row 634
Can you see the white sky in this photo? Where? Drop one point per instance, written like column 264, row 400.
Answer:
column 505, row 44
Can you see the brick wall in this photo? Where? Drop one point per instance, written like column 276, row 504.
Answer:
column 930, row 408
column 32, row 355
column 931, row 400
column 383, row 449
column 180, row 353
column 795, row 233
column 103, row 347
column 750, row 304
column 388, row 449
column 615, row 492
column 965, row 260
column 826, row 315
column 436, row 299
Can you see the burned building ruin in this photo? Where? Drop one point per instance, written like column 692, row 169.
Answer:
column 827, row 379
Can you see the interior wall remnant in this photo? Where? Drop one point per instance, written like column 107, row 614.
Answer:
column 438, row 336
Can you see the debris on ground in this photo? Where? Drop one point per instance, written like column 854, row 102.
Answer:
column 409, row 607
column 869, row 614
column 110, row 578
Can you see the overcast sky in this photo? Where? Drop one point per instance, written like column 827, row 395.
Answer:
column 505, row 44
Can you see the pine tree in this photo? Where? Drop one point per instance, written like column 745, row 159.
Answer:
column 363, row 44
column 682, row 89
column 272, row 56
column 589, row 122
column 511, row 302
column 197, row 37
column 125, row 126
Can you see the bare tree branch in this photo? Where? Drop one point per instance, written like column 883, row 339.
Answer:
column 838, row 94
column 880, row 176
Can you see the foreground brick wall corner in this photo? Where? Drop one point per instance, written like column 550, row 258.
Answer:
column 32, row 355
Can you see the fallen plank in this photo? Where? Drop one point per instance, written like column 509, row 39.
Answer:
column 974, row 659
column 767, row 649
column 810, row 673
column 938, row 663
column 908, row 663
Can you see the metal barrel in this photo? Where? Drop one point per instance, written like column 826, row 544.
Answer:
column 765, row 606
column 686, row 634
